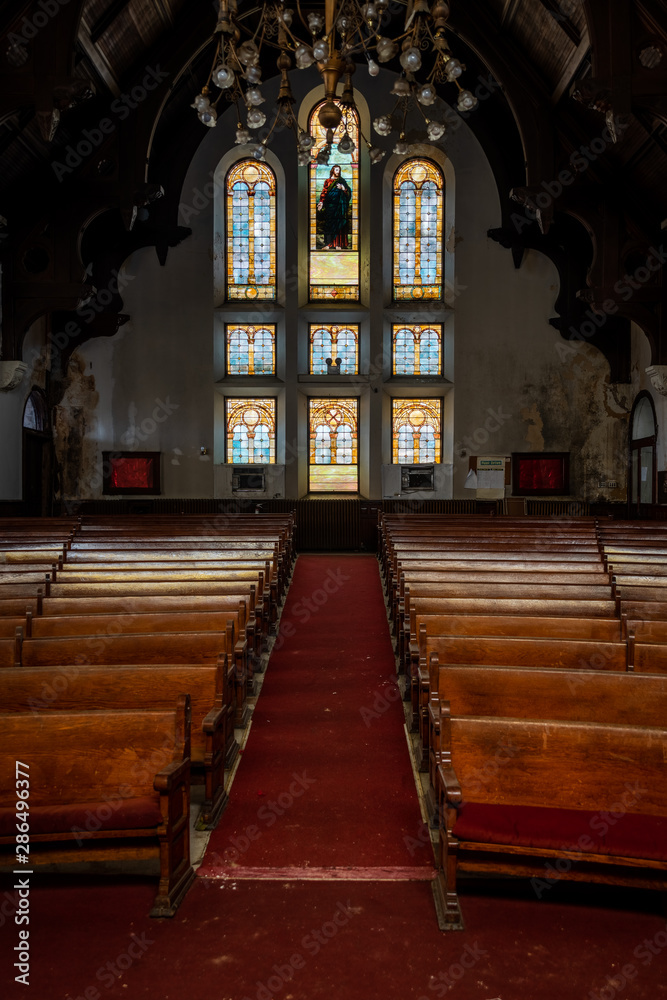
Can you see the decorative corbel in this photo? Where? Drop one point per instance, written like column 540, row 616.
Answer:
column 658, row 377
column 11, row 374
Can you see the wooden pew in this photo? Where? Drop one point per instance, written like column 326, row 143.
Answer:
column 91, row 688
column 422, row 626
column 162, row 648
column 569, row 654
column 520, row 794
column 99, row 790
column 532, row 607
column 536, row 693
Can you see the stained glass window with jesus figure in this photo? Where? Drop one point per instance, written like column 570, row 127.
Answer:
column 334, row 208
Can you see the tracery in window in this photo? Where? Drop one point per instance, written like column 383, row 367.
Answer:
column 418, row 228
column 251, row 350
column 333, row 432
column 334, row 341
column 251, row 431
column 251, row 231
column 334, row 209
column 416, row 349
column 416, row 430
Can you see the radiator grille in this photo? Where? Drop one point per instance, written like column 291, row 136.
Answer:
column 328, row 525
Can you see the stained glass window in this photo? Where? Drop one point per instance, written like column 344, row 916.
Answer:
column 418, row 228
column 334, row 209
column 251, row 431
column 416, row 349
column 415, row 430
column 251, row 350
column 333, row 464
column 251, row 231
column 334, row 342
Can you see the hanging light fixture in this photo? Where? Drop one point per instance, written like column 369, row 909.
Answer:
column 331, row 37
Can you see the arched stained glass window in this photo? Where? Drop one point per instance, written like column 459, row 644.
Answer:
column 334, row 342
column 418, row 229
column 333, row 430
column 416, row 430
column 334, row 209
column 251, row 350
column 416, row 349
column 251, row 231
column 251, row 431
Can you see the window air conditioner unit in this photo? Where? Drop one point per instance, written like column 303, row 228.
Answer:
column 250, row 479
column 417, row 477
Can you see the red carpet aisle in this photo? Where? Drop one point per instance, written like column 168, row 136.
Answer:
column 325, row 781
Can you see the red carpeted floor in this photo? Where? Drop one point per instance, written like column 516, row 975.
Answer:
column 329, row 897
column 325, row 780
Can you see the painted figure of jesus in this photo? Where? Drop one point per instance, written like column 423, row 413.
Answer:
column 332, row 210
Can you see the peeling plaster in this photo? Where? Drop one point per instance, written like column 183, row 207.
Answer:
column 533, row 436
column 76, row 456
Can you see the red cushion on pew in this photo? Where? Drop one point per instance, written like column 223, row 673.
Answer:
column 125, row 814
column 628, row 836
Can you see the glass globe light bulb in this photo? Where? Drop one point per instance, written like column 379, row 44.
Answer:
column 303, row 56
column 426, row 94
column 254, row 96
column 315, row 23
column 411, row 60
column 382, row 125
column 248, row 54
column 224, row 77
column 386, row 49
column 373, row 68
column 435, row 130
column 401, row 87
column 321, row 50
column 467, row 101
column 376, row 154
column 242, row 136
column 256, row 118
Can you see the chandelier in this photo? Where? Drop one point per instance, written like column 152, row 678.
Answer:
column 334, row 35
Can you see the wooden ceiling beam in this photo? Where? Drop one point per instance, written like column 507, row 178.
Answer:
column 106, row 19
column 99, row 63
column 509, row 12
column 571, row 69
column 555, row 9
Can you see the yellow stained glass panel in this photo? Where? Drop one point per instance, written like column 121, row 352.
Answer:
column 418, row 230
column 251, row 431
column 251, row 231
column 416, row 431
column 333, row 434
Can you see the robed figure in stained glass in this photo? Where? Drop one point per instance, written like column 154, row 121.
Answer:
column 333, row 211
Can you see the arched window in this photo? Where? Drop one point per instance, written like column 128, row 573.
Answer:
column 36, row 414
column 416, row 430
column 333, row 427
column 416, row 349
column 643, row 437
column 418, row 228
column 334, row 342
column 251, row 350
column 334, row 208
column 251, row 431
column 251, row 231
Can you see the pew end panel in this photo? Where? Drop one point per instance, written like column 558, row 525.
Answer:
column 104, row 785
column 549, row 800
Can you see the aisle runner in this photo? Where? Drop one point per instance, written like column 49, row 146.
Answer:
column 325, row 788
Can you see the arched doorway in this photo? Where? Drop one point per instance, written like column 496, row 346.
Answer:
column 642, row 465
column 37, row 455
